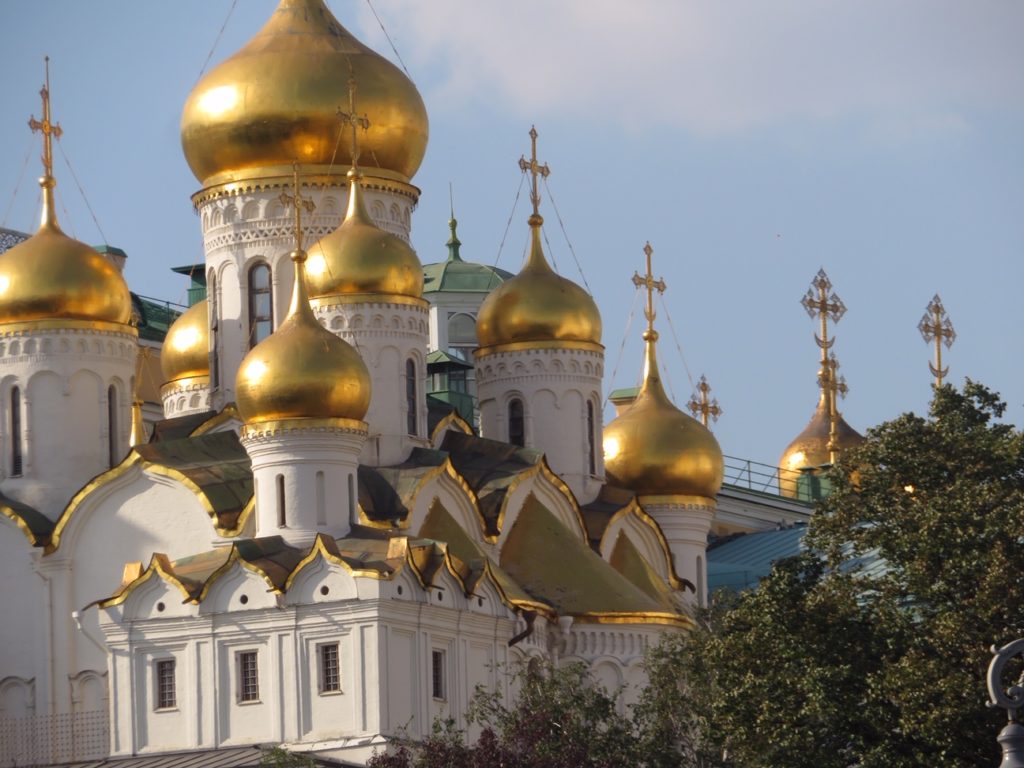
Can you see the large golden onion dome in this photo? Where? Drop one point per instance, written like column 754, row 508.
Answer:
column 361, row 258
column 654, row 449
column 537, row 306
column 276, row 101
column 809, row 449
column 302, row 370
column 186, row 350
column 51, row 276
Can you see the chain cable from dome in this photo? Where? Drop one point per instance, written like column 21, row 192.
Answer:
column 17, row 184
column 81, row 190
column 565, row 234
column 508, row 224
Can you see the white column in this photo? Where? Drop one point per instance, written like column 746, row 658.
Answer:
column 685, row 521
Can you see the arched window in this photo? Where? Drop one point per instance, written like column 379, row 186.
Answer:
column 281, row 519
column 261, row 305
column 516, row 423
column 462, row 335
column 213, row 306
column 112, row 424
column 351, row 497
column 321, row 505
column 16, row 431
column 591, row 438
column 410, row 396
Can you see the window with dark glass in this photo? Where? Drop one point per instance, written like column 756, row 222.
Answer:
column 282, row 520
column 410, row 396
column 16, row 431
column 112, row 424
column 165, row 694
column 437, row 676
column 516, row 423
column 261, row 311
column 591, row 440
column 248, row 676
column 330, row 668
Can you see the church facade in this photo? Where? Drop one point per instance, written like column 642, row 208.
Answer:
column 303, row 550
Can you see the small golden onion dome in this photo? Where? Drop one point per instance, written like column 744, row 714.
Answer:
column 186, row 350
column 809, row 449
column 538, row 305
column 52, row 276
column 302, row 370
column 276, row 101
column 361, row 258
column 655, row 449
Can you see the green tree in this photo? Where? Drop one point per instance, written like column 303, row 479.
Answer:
column 830, row 663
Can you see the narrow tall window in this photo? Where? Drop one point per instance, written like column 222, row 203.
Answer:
column 321, row 505
column 330, row 668
column 16, row 431
column 248, row 676
column 261, row 311
column 112, row 424
column 351, row 497
column 165, row 695
column 437, row 674
column 281, row 518
column 410, row 396
column 591, row 439
column 516, row 426
column 214, row 300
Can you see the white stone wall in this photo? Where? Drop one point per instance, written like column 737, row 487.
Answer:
column 555, row 386
column 386, row 335
column 686, row 522
column 248, row 226
column 64, row 376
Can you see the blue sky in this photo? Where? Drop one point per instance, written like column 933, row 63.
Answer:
column 751, row 143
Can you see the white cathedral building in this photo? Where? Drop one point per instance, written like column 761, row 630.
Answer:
column 300, row 551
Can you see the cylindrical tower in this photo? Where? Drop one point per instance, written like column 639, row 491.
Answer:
column 185, row 362
column 540, row 364
column 276, row 101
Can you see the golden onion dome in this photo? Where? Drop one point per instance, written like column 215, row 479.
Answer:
column 361, row 258
column 276, row 101
column 186, row 350
column 538, row 305
column 302, row 370
column 52, row 276
column 654, row 449
column 809, row 449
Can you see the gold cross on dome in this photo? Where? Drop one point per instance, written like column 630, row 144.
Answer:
column 936, row 326
column 833, row 386
column 299, row 202
column 353, row 119
column 820, row 304
column 705, row 407
column 650, row 284
column 50, row 130
column 535, row 169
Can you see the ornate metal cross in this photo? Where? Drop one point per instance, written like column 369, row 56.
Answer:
column 704, row 406
column 50, row 130
column 834, row 386
column 354, row 120
column 820, row 304
column 299, row 202
column 535, row 169
column 936, row 327
column 648, row 282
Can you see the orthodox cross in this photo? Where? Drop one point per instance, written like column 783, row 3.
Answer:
column 536, row 169
column 299, row 202
column 705, row 407
column 353, row 119
column 936, row 326
column 821, row 304
column 650, row 284
column 49, row 129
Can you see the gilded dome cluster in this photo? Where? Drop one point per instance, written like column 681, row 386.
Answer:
column 186, row 350
column 654, row 449
column 537, row 306
column 359, row 258
column 276, row 101
column 810, row 449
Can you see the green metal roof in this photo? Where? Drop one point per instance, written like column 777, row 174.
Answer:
column 460, row 276
column 742, row 561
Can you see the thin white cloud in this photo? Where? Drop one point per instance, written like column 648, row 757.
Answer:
column 717, row 66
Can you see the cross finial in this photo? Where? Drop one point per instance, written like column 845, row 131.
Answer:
column 49, row 129
column 936, row 327
column 650, row 284
column 536, row 169
column 704, row 406
column 832, row 386
column 299, row 202
column 353, row 119
column 820, row 304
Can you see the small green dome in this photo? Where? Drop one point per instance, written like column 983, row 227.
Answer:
column 460, row 276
